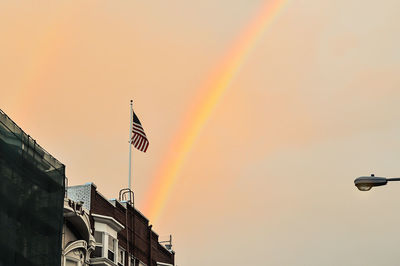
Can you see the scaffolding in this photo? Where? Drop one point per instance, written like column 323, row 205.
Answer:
column 32, row 187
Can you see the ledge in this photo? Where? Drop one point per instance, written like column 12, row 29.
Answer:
column 110, row 221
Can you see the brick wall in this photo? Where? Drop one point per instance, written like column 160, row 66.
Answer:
column 139, row 231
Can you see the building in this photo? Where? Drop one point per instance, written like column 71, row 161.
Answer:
column 44, row 224
column 77, row 236
column 32, row 188
column 123, row 235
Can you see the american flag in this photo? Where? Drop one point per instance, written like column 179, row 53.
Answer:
column 139, row 139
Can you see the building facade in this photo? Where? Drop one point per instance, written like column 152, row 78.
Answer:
column 77, row 236
column 123, row 235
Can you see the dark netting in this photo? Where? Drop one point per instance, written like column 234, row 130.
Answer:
column 32, row 184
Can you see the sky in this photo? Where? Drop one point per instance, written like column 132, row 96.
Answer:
column 268, row 176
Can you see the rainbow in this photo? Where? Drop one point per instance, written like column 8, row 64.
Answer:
column 212, row 91
column 43, row 59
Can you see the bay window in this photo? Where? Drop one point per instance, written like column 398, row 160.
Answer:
column 98, row 251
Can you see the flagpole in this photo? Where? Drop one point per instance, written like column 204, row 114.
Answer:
column 130, row 173
column 130, row 145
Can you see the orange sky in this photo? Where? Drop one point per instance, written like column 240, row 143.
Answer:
column 210, row 94
column 313, row 106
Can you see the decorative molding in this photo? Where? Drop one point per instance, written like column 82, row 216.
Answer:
column 73, row 210
column 75, row 245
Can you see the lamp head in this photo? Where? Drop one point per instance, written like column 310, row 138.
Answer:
column 365, row 183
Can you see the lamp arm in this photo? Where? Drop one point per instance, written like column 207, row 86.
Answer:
column 393, row 179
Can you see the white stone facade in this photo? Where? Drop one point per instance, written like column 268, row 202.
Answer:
column 77, row 239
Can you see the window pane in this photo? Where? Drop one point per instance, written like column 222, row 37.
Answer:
column 98, row 252
column 111, row 255
column 121, row 257
column 111, row 243
column 98, row 236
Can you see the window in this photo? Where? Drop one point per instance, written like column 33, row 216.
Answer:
column 98, row 236
column 136, row 262
column 98, row 251
column 121, row 256
column 111, row 248
column 133, row 261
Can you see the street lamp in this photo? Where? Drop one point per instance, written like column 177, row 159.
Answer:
column 365, row 183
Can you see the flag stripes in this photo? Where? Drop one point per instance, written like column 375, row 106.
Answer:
column 139, row 139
